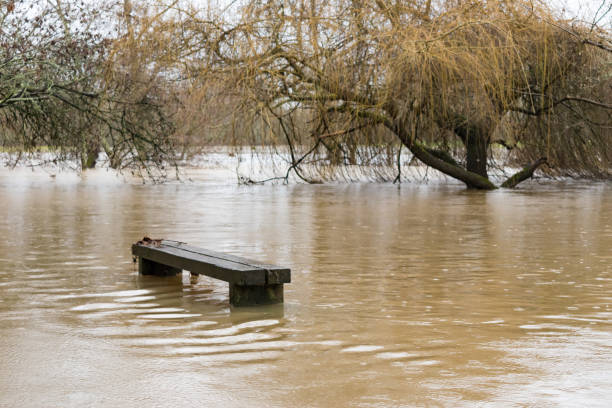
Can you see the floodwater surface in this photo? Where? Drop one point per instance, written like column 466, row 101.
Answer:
column 400, row 296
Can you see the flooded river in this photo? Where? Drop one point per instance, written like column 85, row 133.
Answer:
column 401, row 296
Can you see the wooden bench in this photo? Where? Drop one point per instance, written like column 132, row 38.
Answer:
column 250, row 282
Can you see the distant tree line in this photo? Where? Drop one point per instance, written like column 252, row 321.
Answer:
column 454, row 82
column 467, row 87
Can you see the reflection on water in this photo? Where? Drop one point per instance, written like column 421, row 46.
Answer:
column 400, row 296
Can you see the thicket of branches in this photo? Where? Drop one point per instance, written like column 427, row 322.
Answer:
column 59, row 94
column 452, row 81
column 466, row 87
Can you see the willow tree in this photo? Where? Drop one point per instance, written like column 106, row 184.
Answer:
column 59, row 93
column 435, row 75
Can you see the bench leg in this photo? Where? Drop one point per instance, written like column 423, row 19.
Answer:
column 148, row 267
column 255, row 295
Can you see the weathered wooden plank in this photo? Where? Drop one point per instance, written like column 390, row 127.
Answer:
column 274, row 274
column 220, row 255
column 199, row 264
column 229, row 268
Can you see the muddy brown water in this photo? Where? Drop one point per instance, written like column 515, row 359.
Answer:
column 412, row 296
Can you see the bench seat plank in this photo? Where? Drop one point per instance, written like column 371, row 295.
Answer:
column 274, row 273
column 229, row 268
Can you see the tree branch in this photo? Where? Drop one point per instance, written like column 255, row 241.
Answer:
column 442, row 155
column 524, row 174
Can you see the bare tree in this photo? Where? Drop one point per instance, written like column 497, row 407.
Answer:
column 449, row 79
column 59, row 92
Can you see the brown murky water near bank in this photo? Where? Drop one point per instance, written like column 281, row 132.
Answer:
column 411, row 296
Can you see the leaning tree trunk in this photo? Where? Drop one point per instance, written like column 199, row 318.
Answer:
column 476, row 141
column 439, row 162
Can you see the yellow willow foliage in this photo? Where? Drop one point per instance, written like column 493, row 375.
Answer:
column 352, row 72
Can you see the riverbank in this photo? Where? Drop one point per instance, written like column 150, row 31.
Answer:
column 228, row 166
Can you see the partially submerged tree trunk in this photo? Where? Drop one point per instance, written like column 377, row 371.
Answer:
column 524, row 174
column 89, row 156
column 475, row 139
column 439, row 162
column 476, row 146
column 476, row 142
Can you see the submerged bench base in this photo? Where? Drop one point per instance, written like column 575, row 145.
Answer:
column 148, row 267
column 255, row 295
